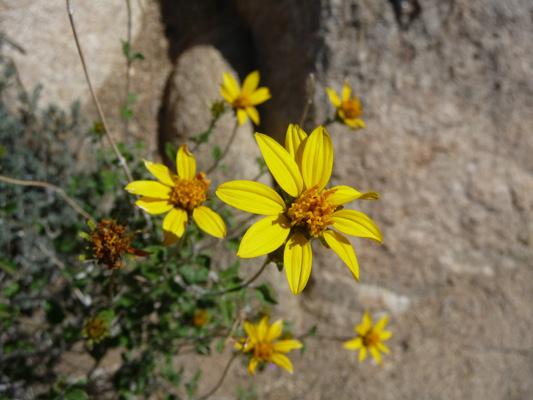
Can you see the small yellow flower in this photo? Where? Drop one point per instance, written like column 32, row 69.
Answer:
column 348, row 110
column 261, row 340
column 370, row 338
column 200, row 317
column 243, row 101
column 110, row 243
column 306, row 211
column 95, row 330
column 181, row 195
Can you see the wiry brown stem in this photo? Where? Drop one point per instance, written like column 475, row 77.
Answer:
column 226, row 149
column 309, row 99
column 215, row 388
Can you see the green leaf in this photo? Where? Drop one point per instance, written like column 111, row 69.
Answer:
column 126, row 112
column 217, row 153
column 171, row 151
column 10, row 208
column 125, row 48
column 8, row 266
column 137, row 57
column 264, row 293
column 76, row 394
column 12, row 289
column 132, row 99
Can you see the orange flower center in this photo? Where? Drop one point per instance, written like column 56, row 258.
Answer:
column 190, row 193
column 352, row 108
column 312, row 211
column 241, row 101
column 200, row 317
column 371, row 339
column 110, row 243
column 263, row 351
column 95, row 328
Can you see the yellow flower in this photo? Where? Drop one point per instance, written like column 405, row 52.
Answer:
column 200, row 317
column 302, row 170
column 181, row 195
column 261, row 340
column 95, row 330
column 370, row 338
column 243, row 101
column 348, row 110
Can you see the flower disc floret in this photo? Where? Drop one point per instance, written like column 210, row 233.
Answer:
column 312, row 211
column 190, row 193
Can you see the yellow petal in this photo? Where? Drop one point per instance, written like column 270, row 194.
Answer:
column 154, row 206
column 161, row 172
column 254, row 115
column 156, row 190
column 365, row 326
column 259, row 96
column 362, row 354
column 353, row 344
column 241, row 116
column 265, row 236
column 345, row 194
column 262, row 329
column 356, row 223
column 382, row 347
column 346, row 90
column 230, row 85
column 209, row 221
column 226, row 94
column 333, row 97
column 252, row 365
column 340, row 245
column 251, row 331
column 174, row 225
column 354, row 123
column 250, row 83
column 385, row 335
column 281, row 165
column 282, row 361
column 294, row 137
column 253, row 197
column 376, row 354
column 298, row 258
column 380, row 325
column 186, row 163
column 284, row 346
column 317, row 159
column 274, row 331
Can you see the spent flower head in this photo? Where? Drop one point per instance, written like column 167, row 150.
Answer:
column 110, row 243
column 263, row 345
column 370, row 338
column 245, row 100
column 181, row 195
column 307, row 209
column 348, row 109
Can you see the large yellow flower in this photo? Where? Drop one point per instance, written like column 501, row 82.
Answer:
column 307, row 210
column 370, row 338
column 181, row 195
column 243, row 101
column 261, row 339
column 348, row 110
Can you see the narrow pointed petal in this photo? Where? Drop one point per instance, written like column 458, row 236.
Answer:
column 252, row 365
column 156, row 190
column 253, row 197
column 262, row 329
column 265, row 236
column 154, row 206
column 250, row 83
column 259, row 96
column 333, row 97
column 380, row 325
column 254, row 115
column 274, row 331
column 382, row 347
column 353, row 344
column 362, row 354
column 354, row 123
column 376, row 354
column 284, row 346
column 340, row 245
column 346, row 91
column 251, row 331
column 226, row 94
column 282, row 361
column 356, row 223
column 365, row 325
column 317, row 159
column 241, row 116
column 281, row 165
column 230, row 85
column 161, row 172
column 294, row 137
column 174, row 225
column 186, row 163
column 384, row 335
column 209, row 221
column 297, row 258
column 345, row 194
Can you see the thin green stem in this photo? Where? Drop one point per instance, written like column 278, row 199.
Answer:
column 243, row 285
column 309, row 99
column 226, row 149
